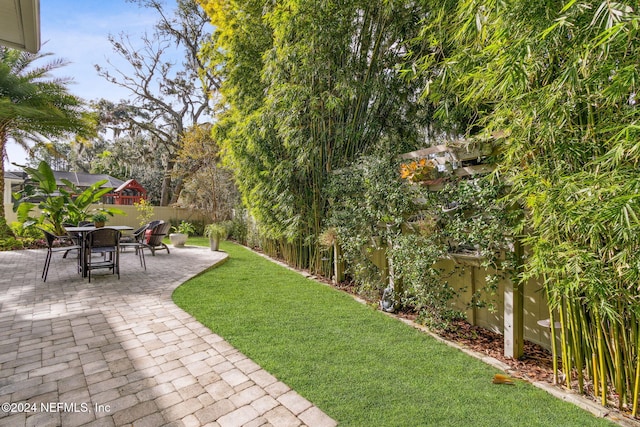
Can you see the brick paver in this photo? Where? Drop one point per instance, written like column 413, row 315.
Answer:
column 119, row 352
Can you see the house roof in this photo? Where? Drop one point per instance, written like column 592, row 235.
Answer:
column 83, row 180
column 132, row 183
column 20, row 24
column 15, row 175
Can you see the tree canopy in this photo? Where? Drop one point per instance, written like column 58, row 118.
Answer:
column 170, row 88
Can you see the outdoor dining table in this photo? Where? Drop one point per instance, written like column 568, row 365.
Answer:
column 82, row 234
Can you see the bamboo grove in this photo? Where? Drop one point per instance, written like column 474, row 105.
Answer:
column 310, row 87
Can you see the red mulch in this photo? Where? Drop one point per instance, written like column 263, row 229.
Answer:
column 535, row 365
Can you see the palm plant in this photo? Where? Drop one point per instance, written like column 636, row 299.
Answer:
column 34, row 106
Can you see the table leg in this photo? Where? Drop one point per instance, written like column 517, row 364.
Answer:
column 83, row 254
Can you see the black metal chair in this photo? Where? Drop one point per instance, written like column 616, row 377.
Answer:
column 105, row 241
column 136, row 241
column 51, row 249
column 70, row 237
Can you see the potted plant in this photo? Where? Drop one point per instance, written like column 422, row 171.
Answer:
column 425, row 172
column 181, row 233
column 215, row 232
column 100, row 219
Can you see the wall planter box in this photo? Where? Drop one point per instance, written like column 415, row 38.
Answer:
column 467, row 258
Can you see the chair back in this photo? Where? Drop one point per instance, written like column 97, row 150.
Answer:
column 154, row 223
column 138, row 235
column 49, row 237
column 103, row 238
column 157, row 234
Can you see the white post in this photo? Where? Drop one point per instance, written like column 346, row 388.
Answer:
column 514, row 313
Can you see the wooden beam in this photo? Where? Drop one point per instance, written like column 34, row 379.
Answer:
column 473, row 170
column 425, row 152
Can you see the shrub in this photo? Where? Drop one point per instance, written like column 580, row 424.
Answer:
column 184, row 228
column 145, row 211
column 218, row 230
column 197, row 226
column 422, row 286
column 28, row 231
column 10, row 244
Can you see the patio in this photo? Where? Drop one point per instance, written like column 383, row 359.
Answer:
column 119, row 352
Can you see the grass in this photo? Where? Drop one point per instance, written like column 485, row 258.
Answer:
column 359, row 366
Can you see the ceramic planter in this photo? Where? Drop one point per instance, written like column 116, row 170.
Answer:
column 178, row 239
column 214, row 243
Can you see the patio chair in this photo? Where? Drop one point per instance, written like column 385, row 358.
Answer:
column 135, row 241
column 105, row 241
column 74, row 238
column 51, row 239
column 154, row 238
column 154, row 223
column 137, row 235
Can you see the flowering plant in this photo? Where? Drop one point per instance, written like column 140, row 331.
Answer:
column 419, row 170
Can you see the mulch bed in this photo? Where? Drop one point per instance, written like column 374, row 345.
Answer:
column 535, row 365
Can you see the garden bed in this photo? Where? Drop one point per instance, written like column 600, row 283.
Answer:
column 535, row 365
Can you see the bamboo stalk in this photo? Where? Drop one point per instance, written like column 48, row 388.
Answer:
column 596, row 385
column 554, row 346
column 617, row 361
column 636, row 388
column 572, row 314
column 566, row 348
column 603, row 376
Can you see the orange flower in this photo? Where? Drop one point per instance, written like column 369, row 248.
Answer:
column 419, row 170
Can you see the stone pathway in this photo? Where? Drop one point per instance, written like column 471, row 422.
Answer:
column 120, row 352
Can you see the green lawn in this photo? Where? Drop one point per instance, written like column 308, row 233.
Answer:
column 360, row 366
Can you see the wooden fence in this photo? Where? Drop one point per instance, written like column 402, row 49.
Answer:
column 499, row 314
column 165, row 213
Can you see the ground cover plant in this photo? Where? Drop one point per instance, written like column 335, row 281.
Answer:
column 357, row 364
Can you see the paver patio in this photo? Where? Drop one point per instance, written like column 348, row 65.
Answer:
column 120, row 352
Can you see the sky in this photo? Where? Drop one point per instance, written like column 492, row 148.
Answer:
column 77, row 31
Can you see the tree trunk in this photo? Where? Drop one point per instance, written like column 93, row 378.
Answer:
column 176, row 192
column 165, row 195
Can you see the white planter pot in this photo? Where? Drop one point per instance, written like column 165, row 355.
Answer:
column 178, row 239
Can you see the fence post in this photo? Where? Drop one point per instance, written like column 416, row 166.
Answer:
column 338, row 263
column 514, row 310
